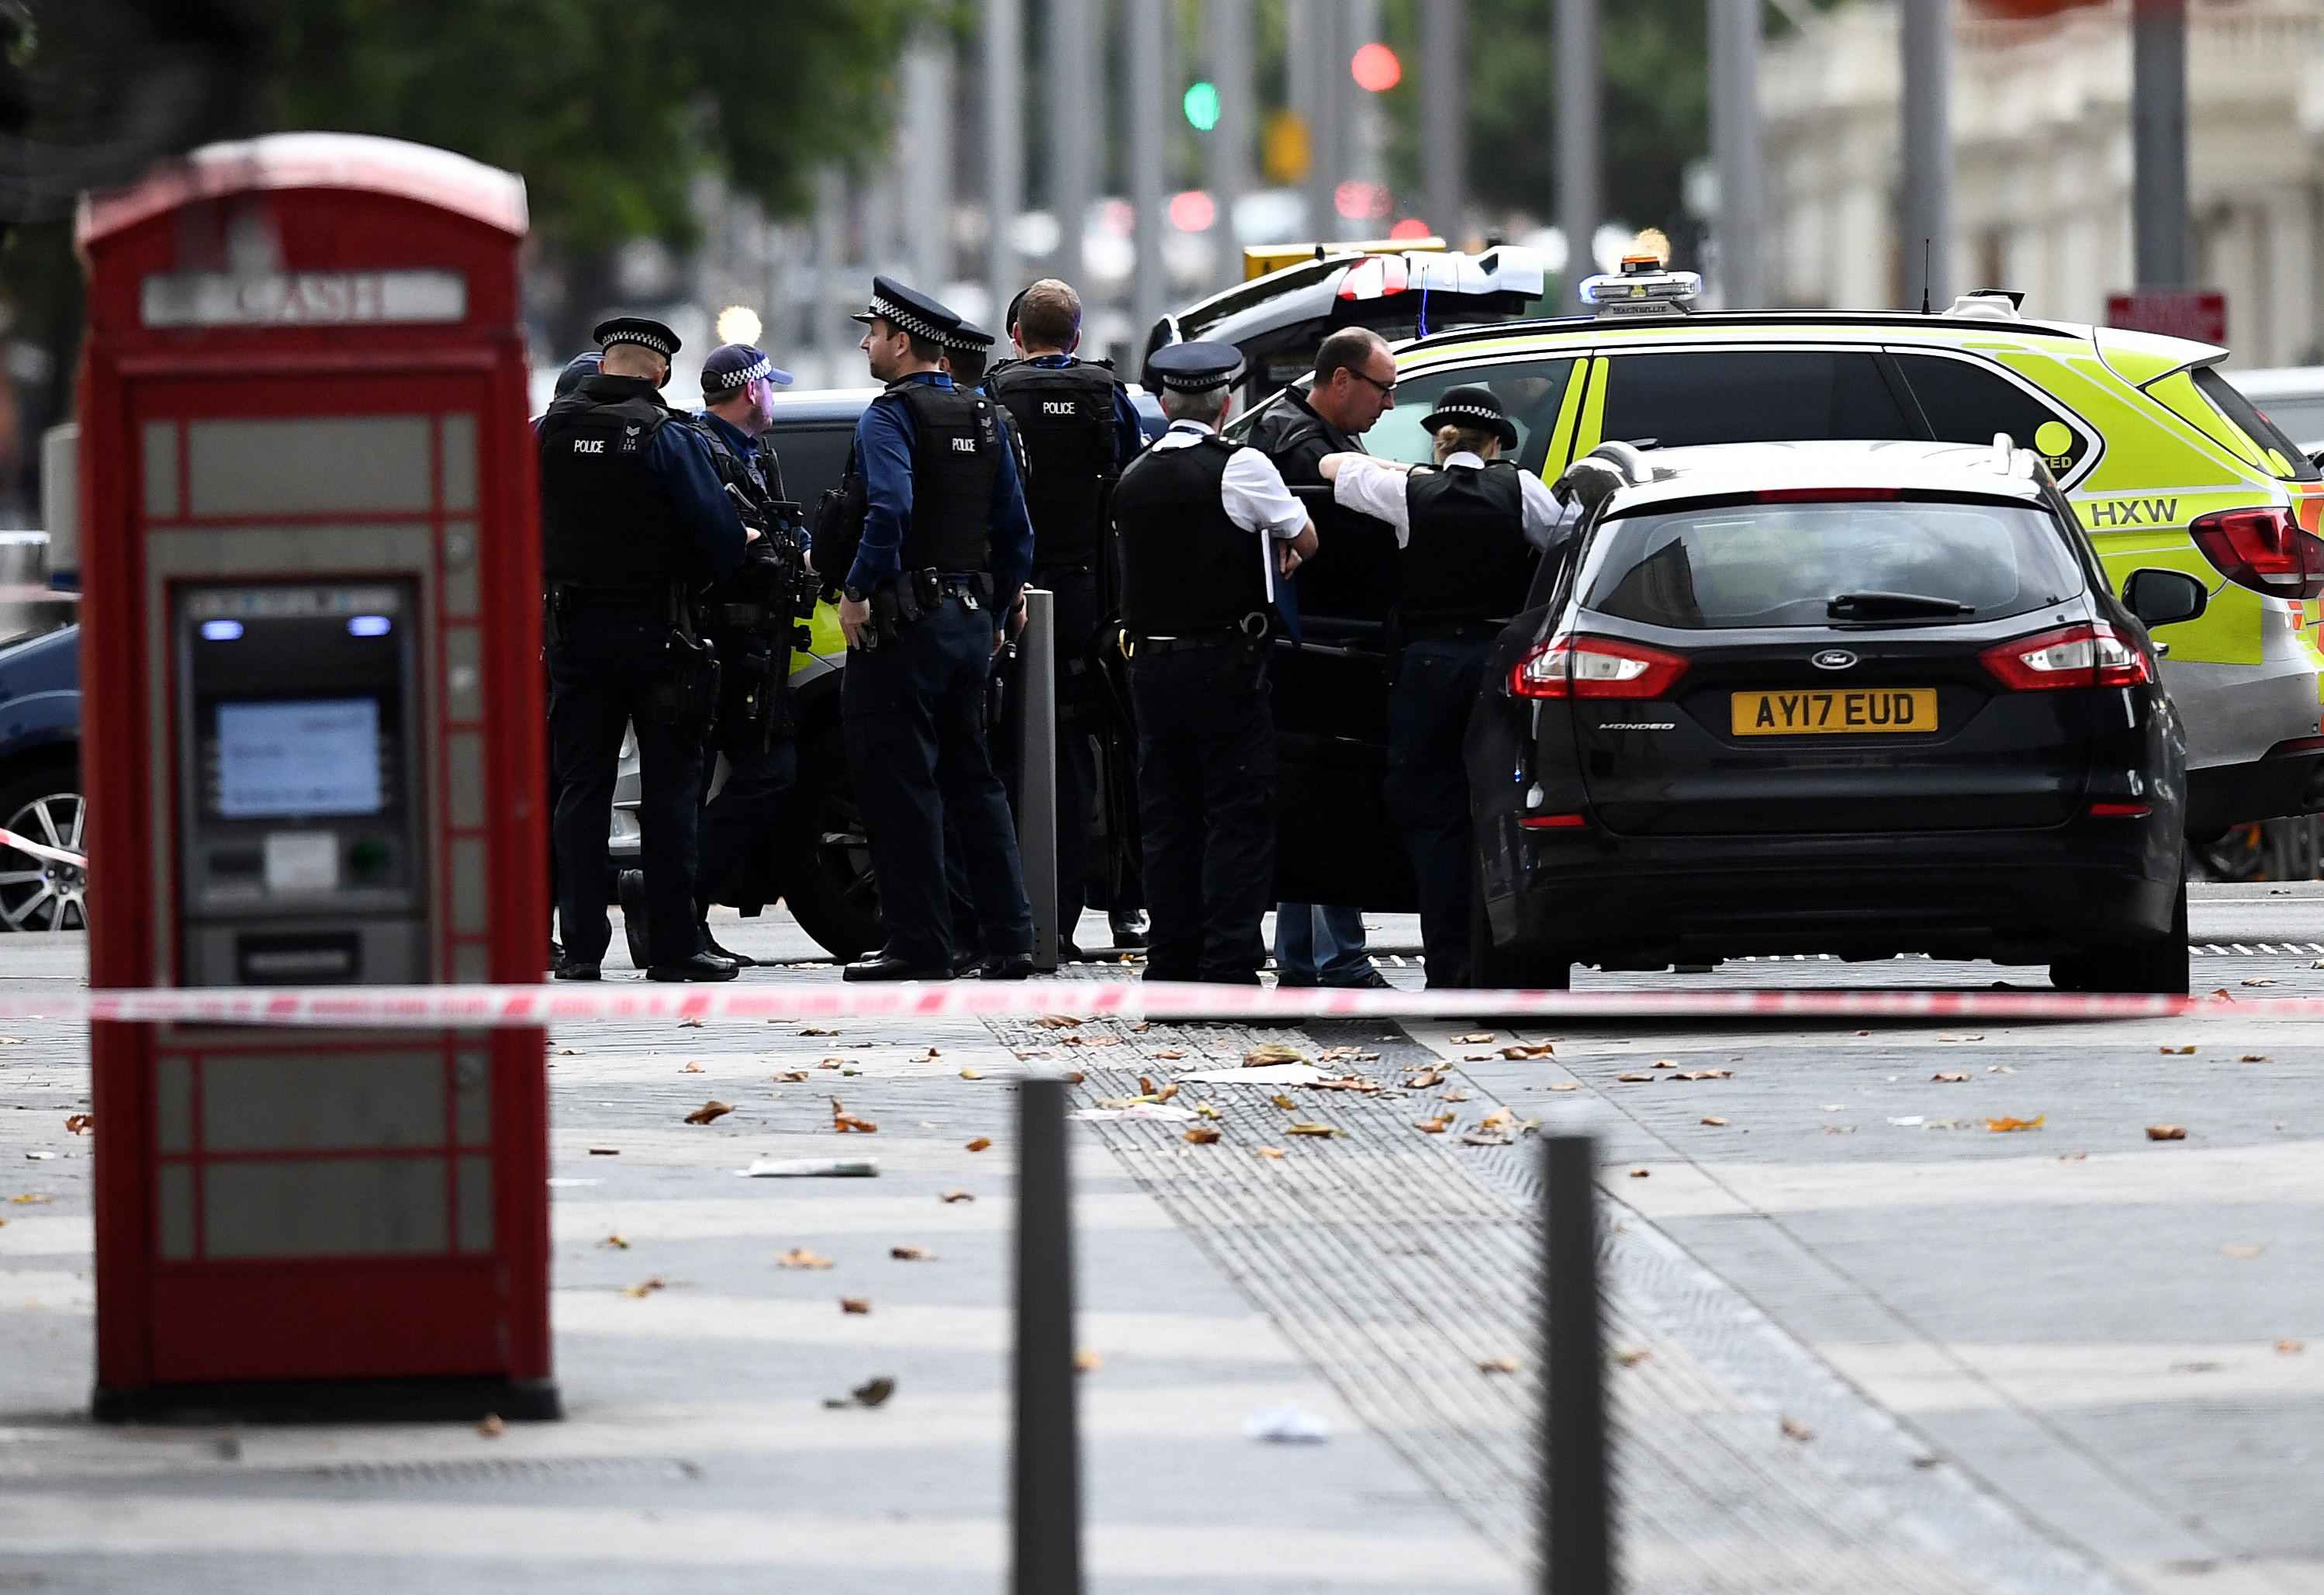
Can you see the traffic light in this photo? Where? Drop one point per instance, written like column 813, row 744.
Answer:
column 1201, row 105
column 1374, row 67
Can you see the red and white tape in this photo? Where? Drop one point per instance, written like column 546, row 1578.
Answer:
column 504, row 1007
column 41, row 849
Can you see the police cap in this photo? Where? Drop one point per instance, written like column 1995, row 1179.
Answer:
column 642, row 330
column 970, row 337
column 1194, row 368
column 1478, row 409
column 729, row 368
column 577, row 370
column 909, row 310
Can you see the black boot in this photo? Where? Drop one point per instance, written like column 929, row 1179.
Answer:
column 705, row 941
column 631, row 889
column 702, row 966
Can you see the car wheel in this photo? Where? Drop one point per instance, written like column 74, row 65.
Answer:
column 827, row 879
column 1512, row 968
column 43, row 805
column 2156, row 966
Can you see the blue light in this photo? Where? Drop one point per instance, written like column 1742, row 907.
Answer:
column 367, row 625
column 221, row 630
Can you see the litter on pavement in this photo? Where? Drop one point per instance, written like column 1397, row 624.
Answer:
column 793, row 1168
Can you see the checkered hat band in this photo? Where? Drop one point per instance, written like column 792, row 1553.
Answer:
column 742, row 378
column 1479, row 411
column 1198, row 384
column 904, row 320
column 643, row 339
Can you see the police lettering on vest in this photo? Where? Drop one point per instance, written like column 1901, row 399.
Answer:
column 1066, row 416
column 605, row 521
column 1188, row 568
column 955, row 462
column 1467, row 558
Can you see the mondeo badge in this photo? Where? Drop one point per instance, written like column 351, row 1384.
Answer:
column 1833, row 658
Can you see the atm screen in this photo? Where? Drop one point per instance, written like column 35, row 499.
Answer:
column 313, row 756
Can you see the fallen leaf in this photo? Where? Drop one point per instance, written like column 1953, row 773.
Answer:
column 1497, row 1365
column 29, row 1198
column 1474, row 1038
column 647, row 1288
column 1315, row 1129
column 1280, row 1101
column 792, row 1076
column 1640, row 1173
column 2289, row 1348
column 604, row 1151
column 1485, row 1138
column 873, row 1392
column 1796, row 1430
column 616, row 1242
column 858, row 1305
column 1634, row 1078
column 1631, row 1356
column 691, row 1069
column 2259, row 982
column 1664, row 1064
column 1201, row 1135
column 1057, row 1021
column 971, row 1073
column 980, row 1143
column 80, row 1124
column 1716, row 1123
column 844, row 1122
column 1950, row 1077
column 2005, row 1124
column 1170, row 1056
column 2241, row 1253
column 1436, row 1126
column 1267, row 1151
column 832, row 1063
column 1499, row 1118
column 2177, row 1052
column 2166, row 1132
column 799, row 1257
column 1999, row 1069
column 1167, row 1092
column 1543, row 1051
column 493, row 1426
column 911, row 1254
column 1565, row 1085
column 1142, row 1025
column 1454, row 1096
column 806, row 1032
column 2252, row 1057
column 707, row 1113
column 1087, row 1361
column 1424, row 1080
column 1272, row 1052
column 951, row 1196
column 1075, row 1076
column 689, row 1024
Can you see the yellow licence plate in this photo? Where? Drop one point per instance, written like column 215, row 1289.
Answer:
column 1855, row 711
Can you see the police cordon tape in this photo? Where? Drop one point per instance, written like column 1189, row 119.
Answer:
column 41, row 849
column 423, row 1008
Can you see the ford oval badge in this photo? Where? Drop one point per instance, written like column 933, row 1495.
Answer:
column 1833, row 658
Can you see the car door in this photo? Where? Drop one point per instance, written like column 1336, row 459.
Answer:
column 1336, row 842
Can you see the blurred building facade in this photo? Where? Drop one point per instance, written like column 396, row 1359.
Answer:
column 2040, row 138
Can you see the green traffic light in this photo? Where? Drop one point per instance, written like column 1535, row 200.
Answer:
column 1202, row 106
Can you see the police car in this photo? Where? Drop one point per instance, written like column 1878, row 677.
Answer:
column 2163, row 463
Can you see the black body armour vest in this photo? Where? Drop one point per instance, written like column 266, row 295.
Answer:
column 605, row 521
column 1468, row 558
column 957, row 446
column 1187, row 566
column 1066, row 416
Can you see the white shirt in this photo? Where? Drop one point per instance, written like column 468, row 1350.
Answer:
column 1376, row 488
column 1252, row 491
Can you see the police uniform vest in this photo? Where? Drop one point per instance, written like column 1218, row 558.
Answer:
column 956, row 447
column 1064, row 414
column 605, row 518
column 1354, row 572
column 1188, row 568
column 1467, row 558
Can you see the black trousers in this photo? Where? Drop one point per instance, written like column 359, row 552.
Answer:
column 912, row 713
column 601, row 676
column 1427, row 789
column 1206, row 806
column 736, row 822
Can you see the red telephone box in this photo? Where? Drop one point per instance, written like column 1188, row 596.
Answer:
column 311, row 668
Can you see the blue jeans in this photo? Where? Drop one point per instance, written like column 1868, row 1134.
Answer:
column 1314, row 941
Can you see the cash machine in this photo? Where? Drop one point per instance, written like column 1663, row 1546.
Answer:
column 309, row 558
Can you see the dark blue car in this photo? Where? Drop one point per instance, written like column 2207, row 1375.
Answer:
column 39, row 780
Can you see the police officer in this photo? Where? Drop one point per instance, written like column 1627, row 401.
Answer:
column 1467, row 534
column 943, row 557
column 633, row 520
column 752, row 615
column 1354, row 384
column 1079, row 429
column 1205, row 527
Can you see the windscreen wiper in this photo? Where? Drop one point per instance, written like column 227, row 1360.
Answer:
column 1858, row 606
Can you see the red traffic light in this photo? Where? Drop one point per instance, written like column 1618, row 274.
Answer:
column 1376, row 68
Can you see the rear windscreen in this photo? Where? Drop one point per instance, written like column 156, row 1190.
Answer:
column 2281, row 453
column 1743, row 564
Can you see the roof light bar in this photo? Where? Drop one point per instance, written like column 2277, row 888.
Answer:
column 1635, row 292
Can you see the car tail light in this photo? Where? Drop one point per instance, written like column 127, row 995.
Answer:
column 1553, row 822
column 2120, row 811
column 1595, row 668
column 2263, row 550
column 2087, row 655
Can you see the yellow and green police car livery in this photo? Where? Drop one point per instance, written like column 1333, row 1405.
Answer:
column 2164, row 462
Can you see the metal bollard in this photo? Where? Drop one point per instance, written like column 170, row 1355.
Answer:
column 1045, row 1482
column 1576, row 1549
column 1037, row 773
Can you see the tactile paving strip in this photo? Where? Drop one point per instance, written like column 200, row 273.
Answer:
column 1403, row 1261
